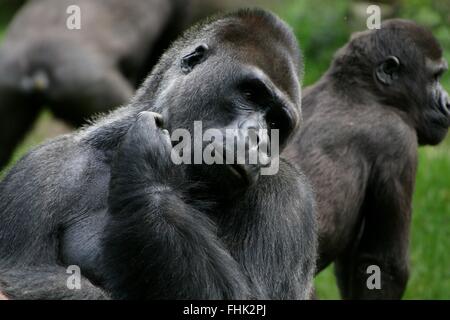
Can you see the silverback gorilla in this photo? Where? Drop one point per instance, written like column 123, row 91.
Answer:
column 364, row 120
column 78, row 73
column 110, row 200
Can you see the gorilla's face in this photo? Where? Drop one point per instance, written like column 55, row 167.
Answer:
column 216, row 84
column 435, row 113
column 415, row 85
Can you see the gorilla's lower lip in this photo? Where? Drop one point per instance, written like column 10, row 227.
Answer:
column 239, row 170
column 443, row 122
column 443, row 104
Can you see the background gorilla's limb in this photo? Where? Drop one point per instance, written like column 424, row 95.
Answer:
column 86, row 71
column 154, row 229
column 45, row 283
column 17, row 114
column 90, row 97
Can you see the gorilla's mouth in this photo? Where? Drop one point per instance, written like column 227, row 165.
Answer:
column 239, row 171
column 441, row 122
column 444, row 107
column 442, row 118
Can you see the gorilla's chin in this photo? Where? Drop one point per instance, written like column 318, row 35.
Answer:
column 221, row 180
column 433, row 135
column 244, row 173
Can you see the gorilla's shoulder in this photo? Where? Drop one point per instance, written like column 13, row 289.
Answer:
column 57, row 167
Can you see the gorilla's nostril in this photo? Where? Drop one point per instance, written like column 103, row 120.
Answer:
column 158, row 119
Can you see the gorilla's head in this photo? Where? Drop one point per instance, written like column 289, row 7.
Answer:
column 401, row 64
column 235, row 71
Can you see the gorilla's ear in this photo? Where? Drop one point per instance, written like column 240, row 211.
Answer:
column 387, row 71
column 188, row 62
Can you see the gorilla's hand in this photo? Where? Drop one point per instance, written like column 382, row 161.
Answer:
column 152, row 225
column 145, row 152
column 149, row 134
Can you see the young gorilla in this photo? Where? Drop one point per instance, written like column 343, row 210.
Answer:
column 363, row 122
column 77, row 73
column 110, row 200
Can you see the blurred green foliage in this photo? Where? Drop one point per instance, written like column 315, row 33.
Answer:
column 323, row 26
column 7, row 9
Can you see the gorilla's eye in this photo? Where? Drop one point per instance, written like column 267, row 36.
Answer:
column 255, row 91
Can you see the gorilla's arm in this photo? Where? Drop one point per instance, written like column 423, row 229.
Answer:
column 385, row 237
column 171, row 247
column 17, row 112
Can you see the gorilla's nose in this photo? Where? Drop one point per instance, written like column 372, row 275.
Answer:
column 256, row 139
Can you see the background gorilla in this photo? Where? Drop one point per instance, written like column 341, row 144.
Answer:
column 110, row 200
column 78, row 73
column 363, row 122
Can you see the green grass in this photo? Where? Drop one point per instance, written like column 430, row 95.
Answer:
column 321, row 29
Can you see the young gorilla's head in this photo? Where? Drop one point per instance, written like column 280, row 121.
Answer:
column 401, row 64
column 236, row 71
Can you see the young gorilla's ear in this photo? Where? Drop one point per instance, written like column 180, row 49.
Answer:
column 188, row 62
column 387, row 71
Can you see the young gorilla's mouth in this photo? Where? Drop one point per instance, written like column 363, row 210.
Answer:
column 442, row 118
column 441, row 122
column 445, row 107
